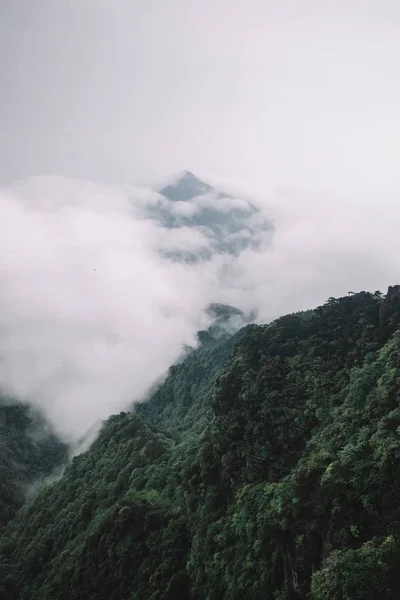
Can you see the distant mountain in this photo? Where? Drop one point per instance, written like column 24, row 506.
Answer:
column 186, row 187
column 219, row 222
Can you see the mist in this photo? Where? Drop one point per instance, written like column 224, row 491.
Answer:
column 92, row 311
column 293, row 106
column 324, row 245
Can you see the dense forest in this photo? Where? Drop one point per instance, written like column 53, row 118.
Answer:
column 265, row 467
column 29, row 452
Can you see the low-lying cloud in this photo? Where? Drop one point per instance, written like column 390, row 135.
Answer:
column 92, row 311
column 323, row 246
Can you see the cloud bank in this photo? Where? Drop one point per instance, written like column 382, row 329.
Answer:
column 324, row 245
column 92, row 312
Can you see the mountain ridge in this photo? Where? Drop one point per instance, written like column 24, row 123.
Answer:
column 282, row 486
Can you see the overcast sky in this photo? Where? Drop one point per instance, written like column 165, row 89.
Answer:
column 260, row 92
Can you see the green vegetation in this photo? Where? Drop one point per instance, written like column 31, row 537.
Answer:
column 29, row 451
column 182, row 404
column 265, row 467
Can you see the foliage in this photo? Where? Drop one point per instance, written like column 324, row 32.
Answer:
column 182, row 402
column 29, row 451
column 274, row 475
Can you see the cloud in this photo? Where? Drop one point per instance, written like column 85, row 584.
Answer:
column 183, row 239
column 93, row 311
column 221, row 203
column 323, row 245
column 90, row 312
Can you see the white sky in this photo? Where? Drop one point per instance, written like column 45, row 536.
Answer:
column 258, row 92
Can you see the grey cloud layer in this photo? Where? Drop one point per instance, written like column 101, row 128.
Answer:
column 92, row 313
column 257, row 91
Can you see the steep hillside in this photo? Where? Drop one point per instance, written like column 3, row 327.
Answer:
column 29, row 451
column 182, row 403
column 284, row 484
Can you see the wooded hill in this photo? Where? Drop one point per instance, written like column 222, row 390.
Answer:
column 265, row 467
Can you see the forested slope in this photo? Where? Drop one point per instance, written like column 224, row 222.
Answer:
column 284, row 484
column 182, row 403
column 29, row 451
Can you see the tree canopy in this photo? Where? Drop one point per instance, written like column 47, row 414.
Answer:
column 265, row 467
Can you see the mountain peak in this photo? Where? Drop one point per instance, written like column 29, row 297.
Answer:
column 185, row 186
column 224, row 224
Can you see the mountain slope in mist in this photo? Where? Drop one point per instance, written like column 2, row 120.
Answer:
column 182, row 402
column 228, row 224
column 85, row 268
column 288, row 489
column 29, row 452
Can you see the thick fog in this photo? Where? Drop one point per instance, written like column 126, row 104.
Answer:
column 293, row 105
column 92, row 312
